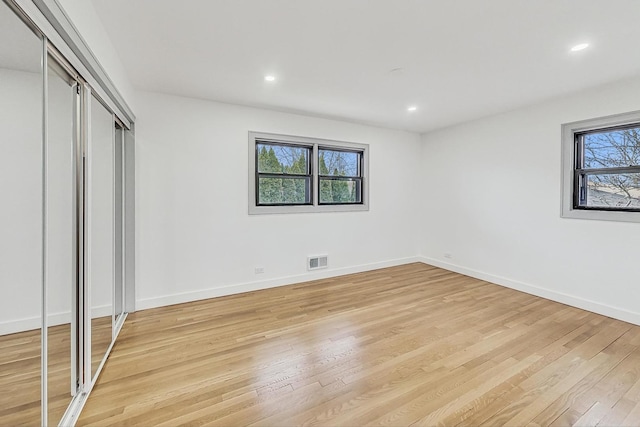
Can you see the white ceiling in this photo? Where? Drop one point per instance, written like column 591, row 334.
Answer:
column 459, row 59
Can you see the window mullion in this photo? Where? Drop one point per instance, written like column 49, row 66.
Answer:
column 282, row 175
column 315, row 186
column 610, row 171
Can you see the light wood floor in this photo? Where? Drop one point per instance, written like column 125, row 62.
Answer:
column 20, row 378
column 405, row 345
column 20, row 367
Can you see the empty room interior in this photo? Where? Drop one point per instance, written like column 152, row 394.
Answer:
column 335, row 213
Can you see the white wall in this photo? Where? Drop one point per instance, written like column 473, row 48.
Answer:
column 100, row 207
column 194, row 236
column 21, row 189
column 491, row 198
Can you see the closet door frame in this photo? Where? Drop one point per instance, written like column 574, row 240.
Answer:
column 82, row 377
column 62, row 42
column 54, row 61
column 86, row 377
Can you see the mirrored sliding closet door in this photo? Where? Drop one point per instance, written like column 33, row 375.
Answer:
column 21, row 221
column 61, row 238
column 63, row 182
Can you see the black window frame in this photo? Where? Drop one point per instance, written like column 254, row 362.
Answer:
column 256, row 139
column 581, row 173
column 358, row 178
column 309, row 176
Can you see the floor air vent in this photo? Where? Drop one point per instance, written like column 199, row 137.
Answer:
column 317, row 262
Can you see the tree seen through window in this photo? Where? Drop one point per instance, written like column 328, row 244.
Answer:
column 283, row 174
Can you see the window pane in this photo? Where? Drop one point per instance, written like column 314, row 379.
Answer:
column 278, row 191
column 283, row 159
column 614, row 148
column 340, row 191
column 339, row 163
column 613, row 191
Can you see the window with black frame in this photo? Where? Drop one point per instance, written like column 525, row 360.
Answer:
column 283, row 174
column 295, row 174
column 607, row 169
column 339, row 176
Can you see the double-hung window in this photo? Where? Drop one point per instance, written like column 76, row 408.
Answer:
column 605, row 168
column 339, row 176
column 290, row 174
column 283, row 174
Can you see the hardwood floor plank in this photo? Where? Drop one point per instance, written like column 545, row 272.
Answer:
column 20, row 374
column 632, row 417
column 405, row 345
column 579, row 393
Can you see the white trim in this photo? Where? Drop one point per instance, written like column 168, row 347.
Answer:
column 568, row 142
column 238, row 288
column 87, row 245
column 315, row 143
column 53, row 319
column 114, row 250
column 123, row 236
column 572, row 300
column 77, row 221
column 44, row 335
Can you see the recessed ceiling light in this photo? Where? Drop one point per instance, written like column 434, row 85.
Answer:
column 579, row 47
column 270, row 78
column 412, row 108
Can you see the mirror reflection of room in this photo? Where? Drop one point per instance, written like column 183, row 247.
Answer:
column 62, row 99
column 61, row 228
column 21, row 189
column 100, row 225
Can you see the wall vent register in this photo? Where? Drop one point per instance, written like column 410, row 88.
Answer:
column 317, row 262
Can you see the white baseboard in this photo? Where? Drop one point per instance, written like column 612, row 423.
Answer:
column 572, row 300
column 30, row 323
column 143, row 304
